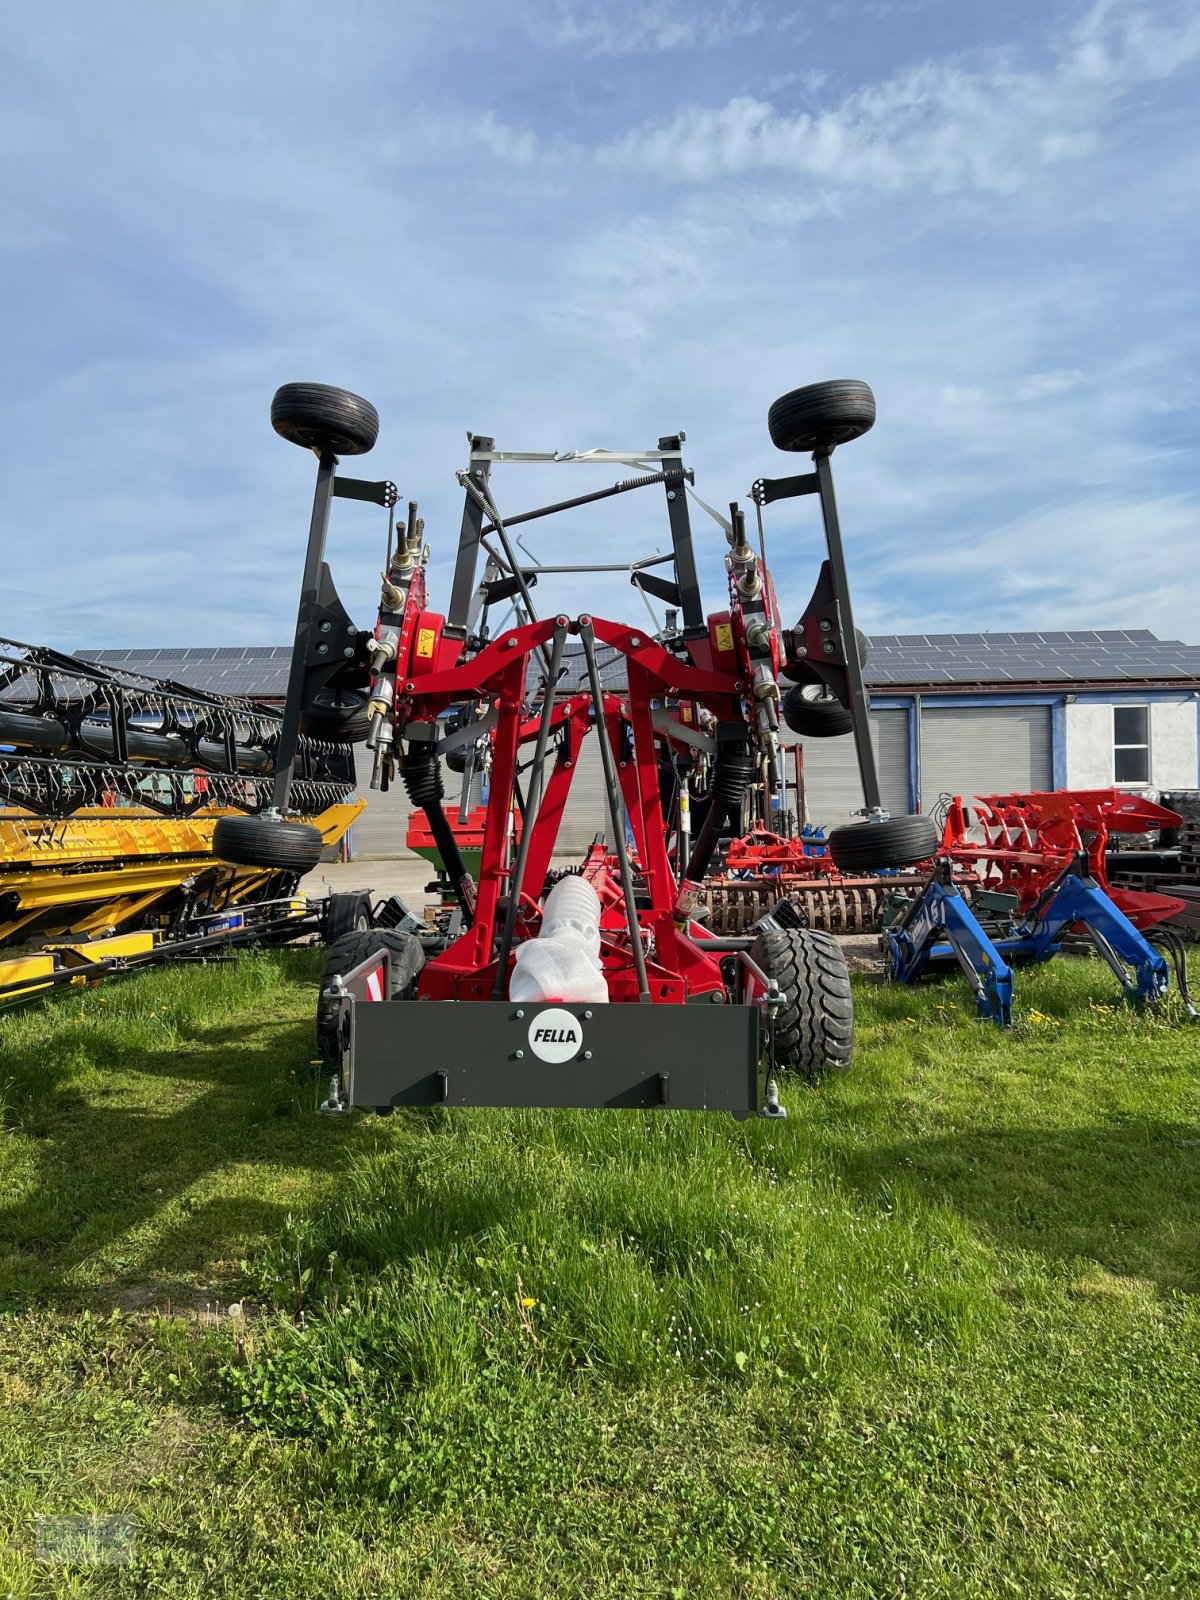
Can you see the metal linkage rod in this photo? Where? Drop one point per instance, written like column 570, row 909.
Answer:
column 598, row 494
column 615, row 806
column 517, row 880
column 600, row 566
column 483, row 497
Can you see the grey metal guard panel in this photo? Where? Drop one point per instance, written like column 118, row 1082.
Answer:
column 688, row 1058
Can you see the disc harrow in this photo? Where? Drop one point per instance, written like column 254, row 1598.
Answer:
column 844, row 905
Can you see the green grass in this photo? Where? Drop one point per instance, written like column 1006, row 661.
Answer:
column 937, row 1334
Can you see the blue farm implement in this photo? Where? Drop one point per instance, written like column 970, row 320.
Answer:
column 938, row 929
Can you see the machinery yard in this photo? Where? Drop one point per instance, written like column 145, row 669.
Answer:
column 757, row 1279
column 600, row 802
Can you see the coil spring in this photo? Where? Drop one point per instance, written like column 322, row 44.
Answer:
column 650, row 477
column 733, row 773
column 422, row 774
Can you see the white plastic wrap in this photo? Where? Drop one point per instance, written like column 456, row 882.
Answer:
column 563, row 962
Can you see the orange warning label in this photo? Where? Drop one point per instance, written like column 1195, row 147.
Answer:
column 724, row 637
column 425, row 642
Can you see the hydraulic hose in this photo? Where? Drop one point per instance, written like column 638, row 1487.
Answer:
column 422, row 774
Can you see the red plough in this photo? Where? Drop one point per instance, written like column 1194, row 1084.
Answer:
column 1031, row 839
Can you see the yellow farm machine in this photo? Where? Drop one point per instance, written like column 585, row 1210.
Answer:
column 110, row 787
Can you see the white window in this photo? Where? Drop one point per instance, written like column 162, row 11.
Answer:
column 1131, row 744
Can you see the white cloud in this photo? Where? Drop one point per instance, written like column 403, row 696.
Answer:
column 945, row 125
column 1087, row 563
column 643, row 27
column 1040, row 385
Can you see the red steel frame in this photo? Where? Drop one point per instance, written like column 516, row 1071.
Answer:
column 678, row 969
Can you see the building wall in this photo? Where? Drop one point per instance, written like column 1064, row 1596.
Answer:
column 1173, row 743
column 987, row 759
column 832, row 785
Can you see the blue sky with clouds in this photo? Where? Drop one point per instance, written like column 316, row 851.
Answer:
column 573, row 225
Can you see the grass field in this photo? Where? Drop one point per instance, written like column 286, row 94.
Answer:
column 937, row 1334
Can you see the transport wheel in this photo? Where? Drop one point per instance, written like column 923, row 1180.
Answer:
column 317, row 417
column 897, row 842
column 267, row 842
column 347, row 913
column 350, row 951
column 337, row 714
column 814, row 715
column 814, row 1027
column 821, row 415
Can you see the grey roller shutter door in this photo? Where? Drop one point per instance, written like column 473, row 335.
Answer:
column 984, row 750
column 833, row 789
column 379, row 830
column 831, row 776
column 586, row 811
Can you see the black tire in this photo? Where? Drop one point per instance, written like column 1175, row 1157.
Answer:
column 267, row 842
column 898, row 842
column 813, row 716
column 821, row 415
column 318, row 417
column 814, row 1027
column 347, row 913
column 350, row 951
column 339, row 715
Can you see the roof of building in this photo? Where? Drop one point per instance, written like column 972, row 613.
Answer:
column 257, row 670
column 911, row 660
column 1119, row 655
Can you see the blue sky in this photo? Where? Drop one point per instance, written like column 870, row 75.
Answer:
column 571, row 225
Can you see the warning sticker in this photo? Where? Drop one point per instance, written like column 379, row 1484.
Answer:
column 425, row 642
column 724, row 637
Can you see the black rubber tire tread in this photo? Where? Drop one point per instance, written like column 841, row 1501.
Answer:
column 814, row 1028
column 456, row 759
column 267, row 842
column 339, row 715
column 347, row 913
column 318, row 417
column 809, row 718
column 898, row 842
column 821, row 415
column 350, row 951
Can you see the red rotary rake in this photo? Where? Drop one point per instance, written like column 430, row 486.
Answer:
column 660, row 1010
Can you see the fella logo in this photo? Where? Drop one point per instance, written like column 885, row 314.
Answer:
column 555, row 1035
